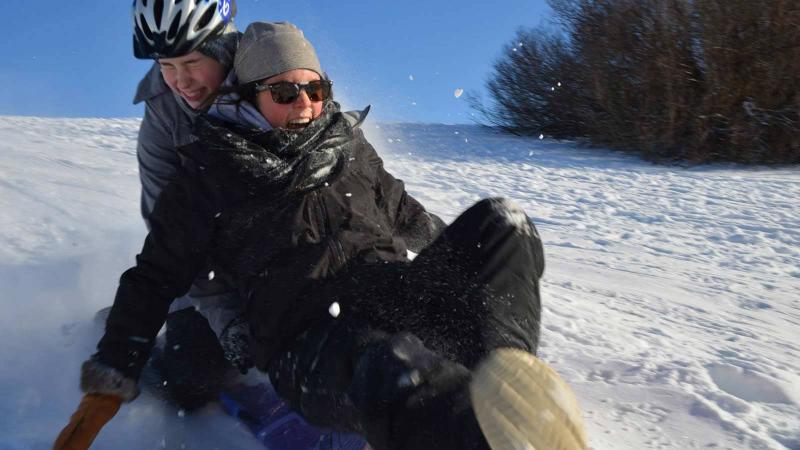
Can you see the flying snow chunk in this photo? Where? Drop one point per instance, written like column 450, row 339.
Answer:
column 559, row 84
column 211, row 275
column 541, row 136
column 411, row 77
column 334, row 309
column 458, row 92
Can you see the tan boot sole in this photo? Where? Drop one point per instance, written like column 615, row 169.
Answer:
column 522, row 404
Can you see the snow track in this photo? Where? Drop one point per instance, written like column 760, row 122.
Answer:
column 672, row 295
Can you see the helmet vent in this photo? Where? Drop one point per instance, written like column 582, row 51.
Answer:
column 158, row 10
column 206, row 18
column 173, row 29
column 145, row 29
column 169, row 28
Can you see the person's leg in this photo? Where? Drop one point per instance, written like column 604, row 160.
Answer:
column 473, row 290
column 203, row 340
column 192, row 362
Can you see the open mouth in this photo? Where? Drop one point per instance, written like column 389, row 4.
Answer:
column 297, row 124
column 193, row 96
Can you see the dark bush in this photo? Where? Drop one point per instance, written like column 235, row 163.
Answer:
column 696, row 80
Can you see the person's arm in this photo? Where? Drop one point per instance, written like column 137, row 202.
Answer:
column 412, row 222
column 157, row 157
column 173, row 253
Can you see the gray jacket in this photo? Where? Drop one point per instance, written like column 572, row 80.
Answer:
column 167, row 125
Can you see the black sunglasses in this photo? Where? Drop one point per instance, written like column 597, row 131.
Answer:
column 284, row 92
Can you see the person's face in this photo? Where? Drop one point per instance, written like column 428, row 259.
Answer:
column 297, row 114
column 195, row 77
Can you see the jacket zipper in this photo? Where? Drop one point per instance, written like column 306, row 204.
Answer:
column 335, row 245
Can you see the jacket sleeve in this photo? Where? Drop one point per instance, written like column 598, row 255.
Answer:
column 173, row 254
column 411, row 221
column 157, row 156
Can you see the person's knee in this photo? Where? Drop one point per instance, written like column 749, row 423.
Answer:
column 506, row 213
column 193, row 364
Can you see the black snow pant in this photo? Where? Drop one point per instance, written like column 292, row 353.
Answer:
column 191, row 367
column 395, row 364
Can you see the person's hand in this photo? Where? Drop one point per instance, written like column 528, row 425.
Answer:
column 401, row 370
column 92, row 414
column 235, row 343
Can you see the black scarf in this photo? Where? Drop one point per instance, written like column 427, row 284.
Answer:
column 282, row 160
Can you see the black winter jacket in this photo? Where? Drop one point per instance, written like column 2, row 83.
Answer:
column 284, row 214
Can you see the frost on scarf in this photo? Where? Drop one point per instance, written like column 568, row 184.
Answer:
column 291, row 161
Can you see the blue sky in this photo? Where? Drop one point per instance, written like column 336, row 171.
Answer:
column 406, row 58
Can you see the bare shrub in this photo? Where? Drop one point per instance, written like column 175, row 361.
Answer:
column 675, row 79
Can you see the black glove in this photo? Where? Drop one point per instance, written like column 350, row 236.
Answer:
column 409, row 397
column 235, row 342
column 401, row 371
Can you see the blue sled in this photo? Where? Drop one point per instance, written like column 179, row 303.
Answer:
column 277, row 427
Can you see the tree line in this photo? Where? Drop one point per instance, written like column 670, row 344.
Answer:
column 698, row 80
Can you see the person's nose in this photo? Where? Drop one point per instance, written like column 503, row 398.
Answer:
column 183, row 78
column 302, row 101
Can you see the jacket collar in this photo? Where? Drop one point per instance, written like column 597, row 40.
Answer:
column 151, row 85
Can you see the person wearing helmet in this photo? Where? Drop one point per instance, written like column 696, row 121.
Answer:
column 192, row 44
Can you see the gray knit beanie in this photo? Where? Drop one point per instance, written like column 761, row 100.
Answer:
column 223, row 46
column 268, row 49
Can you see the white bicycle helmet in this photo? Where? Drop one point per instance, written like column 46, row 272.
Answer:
column 170, row 28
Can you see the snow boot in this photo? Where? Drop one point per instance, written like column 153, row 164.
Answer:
column 521, row 403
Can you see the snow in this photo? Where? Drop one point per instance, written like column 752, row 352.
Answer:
column 671, row 295
column 334, row 310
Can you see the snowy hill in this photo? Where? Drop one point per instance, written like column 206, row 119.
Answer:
column 672, row 296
